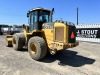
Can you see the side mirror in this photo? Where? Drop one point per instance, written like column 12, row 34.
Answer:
column 24, row 26
column 52, row 10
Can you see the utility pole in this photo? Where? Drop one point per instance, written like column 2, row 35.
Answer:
column 77, row 15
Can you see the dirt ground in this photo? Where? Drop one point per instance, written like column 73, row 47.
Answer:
column 81, row 60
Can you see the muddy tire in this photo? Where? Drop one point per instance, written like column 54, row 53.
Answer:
column 18, row 41
column 37, row 48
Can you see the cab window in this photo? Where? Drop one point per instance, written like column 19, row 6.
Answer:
column 32, row 19
column 44, row 16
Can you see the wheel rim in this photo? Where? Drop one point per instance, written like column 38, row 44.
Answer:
column 14, row 42
column 33, row 48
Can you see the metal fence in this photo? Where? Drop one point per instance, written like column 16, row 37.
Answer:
column 89, row 32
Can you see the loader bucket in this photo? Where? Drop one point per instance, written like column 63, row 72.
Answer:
column 9, row 40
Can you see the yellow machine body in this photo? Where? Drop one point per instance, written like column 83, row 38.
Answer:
column 56, row 36
column 42, row 34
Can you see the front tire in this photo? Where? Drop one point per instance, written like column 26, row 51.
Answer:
column 37, row 48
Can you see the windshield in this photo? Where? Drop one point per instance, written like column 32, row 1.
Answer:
column 37, row 18
column 44, row 16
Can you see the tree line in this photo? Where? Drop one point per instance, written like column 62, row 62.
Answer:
column 6, row 26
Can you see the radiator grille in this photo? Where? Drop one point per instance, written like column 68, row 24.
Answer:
column 59, row 33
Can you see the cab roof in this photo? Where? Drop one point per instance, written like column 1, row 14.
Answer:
column 38, row 8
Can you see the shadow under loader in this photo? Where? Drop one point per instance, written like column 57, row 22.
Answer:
column 68, row 57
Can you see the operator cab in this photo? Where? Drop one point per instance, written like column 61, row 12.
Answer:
column 38, row 16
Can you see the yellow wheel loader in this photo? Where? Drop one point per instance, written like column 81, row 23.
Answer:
column 42, row 35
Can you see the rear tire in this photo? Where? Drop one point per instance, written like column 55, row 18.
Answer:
column 18, row 41
column 37, row 48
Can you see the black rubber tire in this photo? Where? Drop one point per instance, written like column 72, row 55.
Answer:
column 19, row 38
column 41, row 48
